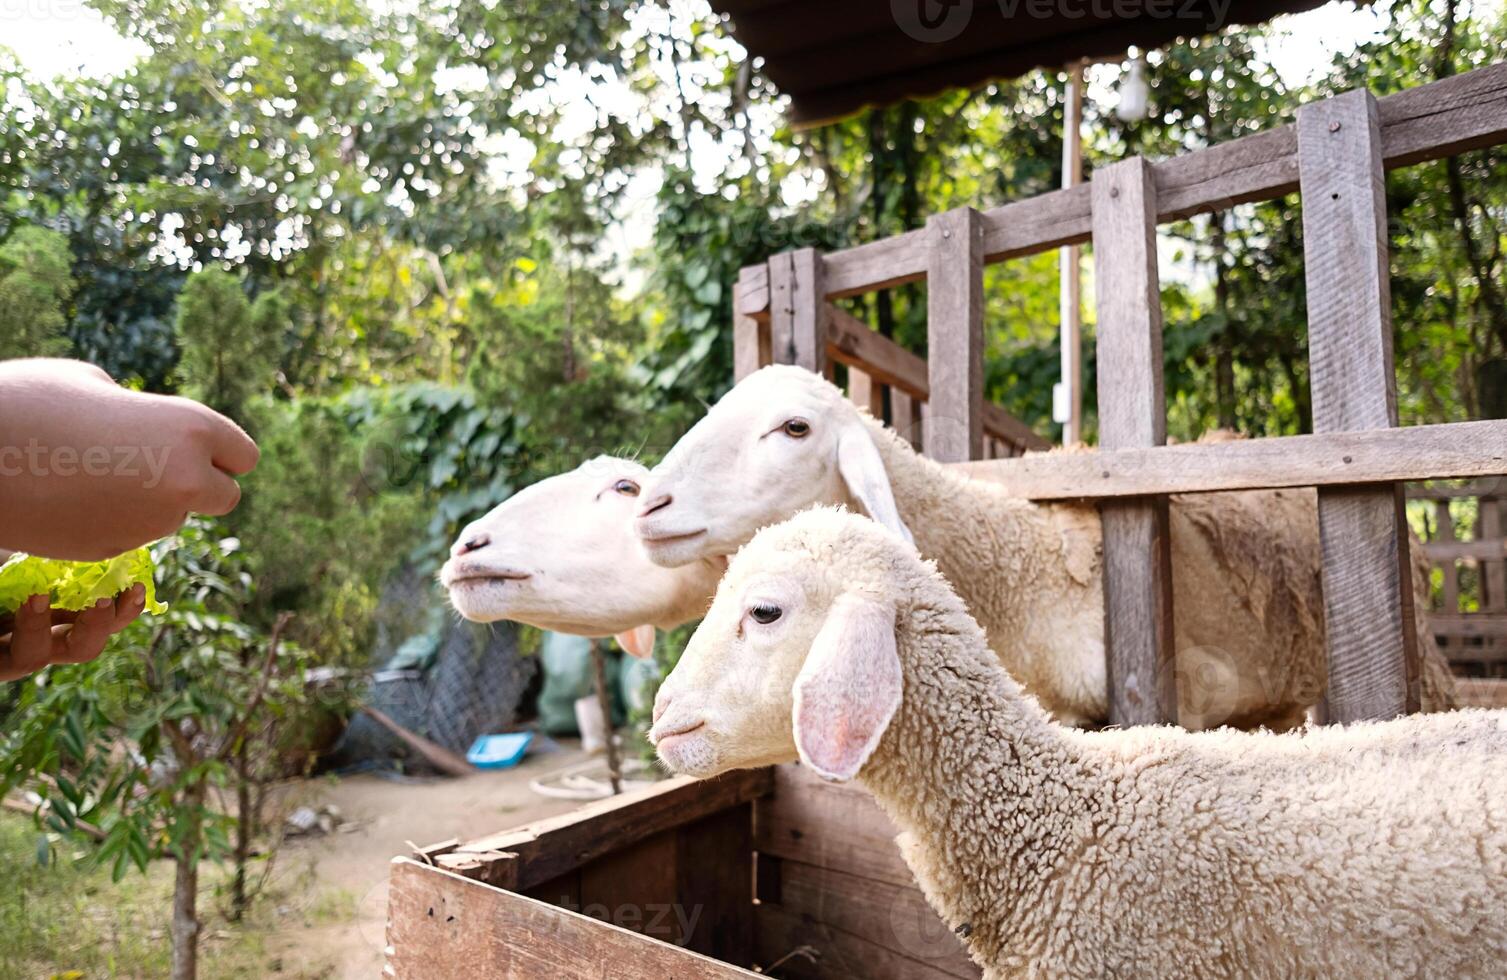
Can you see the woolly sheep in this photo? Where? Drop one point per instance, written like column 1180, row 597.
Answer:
column 561, row 555
column 1366, row 851
column 1248, row 610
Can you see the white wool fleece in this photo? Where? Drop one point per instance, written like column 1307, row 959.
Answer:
column 1373, row 850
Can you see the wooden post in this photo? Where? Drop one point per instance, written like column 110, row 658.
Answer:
column 865, row 392
column 750, row 336
column 604, row 701
column 798, row 310
column 905, row 416
column 1133, row 415
column 1489, row 527
column 954, row 430
column 1067, row 407
column 1368, row 595
column 1444, row 530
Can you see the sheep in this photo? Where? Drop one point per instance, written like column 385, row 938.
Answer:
column 1248, row 613
column 1375, row 849
column 561, row 555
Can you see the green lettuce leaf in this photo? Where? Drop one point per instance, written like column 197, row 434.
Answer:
column 75, row 584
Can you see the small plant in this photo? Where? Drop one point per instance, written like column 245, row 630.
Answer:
column 127, row 751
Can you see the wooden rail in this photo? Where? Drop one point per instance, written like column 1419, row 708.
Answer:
column 1335, row 155
column 1470, row 621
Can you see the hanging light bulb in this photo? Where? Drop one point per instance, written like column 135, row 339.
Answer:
column 1135, row 95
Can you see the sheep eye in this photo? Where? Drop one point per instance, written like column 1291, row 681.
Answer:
column 797, row 428
column 626, row 487
column 764, row 615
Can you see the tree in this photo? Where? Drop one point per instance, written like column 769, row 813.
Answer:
column 196, row 694
column 35, row 287
column 227, row 357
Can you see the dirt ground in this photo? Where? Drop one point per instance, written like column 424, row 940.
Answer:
column 349, row 869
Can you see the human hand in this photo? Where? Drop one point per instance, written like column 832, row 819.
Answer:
column 35, row 636
column 89, row 470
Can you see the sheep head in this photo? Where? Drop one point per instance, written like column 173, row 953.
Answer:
column 783, row 440
column 561, row 555
column 798, row 656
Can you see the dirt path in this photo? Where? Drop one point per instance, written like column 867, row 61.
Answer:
column 348, row 871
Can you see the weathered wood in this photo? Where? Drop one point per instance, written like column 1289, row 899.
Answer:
column 895, row 917
column 955, row 336
column 628, row 886
column 714, row 884
column 1476, row 625
column 1428, row 122
column 1368, row 595
column 865, row 392
column 812, row 950
column 1486, row 550
column 1422, row 452
column 850, row 341
column 751, row 345
column 1490, row 487
column 1493, row 573
column 520, row 858
column 753, row 297
column 1133, row 415
column 828, row 825
column 905, row 416
column 798, row 312
column 442, row 925
column 1444, row 532
column 1481, row 692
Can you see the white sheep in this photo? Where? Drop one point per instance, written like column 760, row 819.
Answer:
column 1374, row 850
column 1248, row 610
column 561, row 555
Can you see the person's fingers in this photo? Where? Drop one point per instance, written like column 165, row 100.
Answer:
column 90, row 631
column 128, row 605
column 219, row 495
column 30, row 645
column 230, row 448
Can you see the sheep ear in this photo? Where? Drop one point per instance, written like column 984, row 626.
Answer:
column 862, row 470
column 849, row 688
column 639, row 641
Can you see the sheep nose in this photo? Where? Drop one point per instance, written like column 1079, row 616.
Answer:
column 658, row 503
column 661, row 703
column 475, row 542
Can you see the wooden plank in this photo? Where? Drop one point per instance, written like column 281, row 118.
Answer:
column 714, row 884
column 1483, row 551
column 865, row 392
column 1493, row 574
column 1444, row 532
column 955, row 336
column 1368, row 595
column 1481, row 692
column 752, row 297
column 634, row 888
column 905, row 416
column 441, row 925
column 1428, row 122
column 812, row 950
column 751, row 349
column 1133, row 415
column 520, row 858
column 1470, row 625
column 1422, row 452
column 797, row 325
column 828, row 825
column 898, row 918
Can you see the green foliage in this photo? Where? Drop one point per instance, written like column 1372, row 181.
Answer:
column 226, row 358
column 35, row 289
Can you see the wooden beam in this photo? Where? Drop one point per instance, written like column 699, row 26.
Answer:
column 1444, row 533
column 1494, row 574
column 1485, row 550
column 1133, row 415
column 797, row 325
column 905, row 416
column 1420, row 452
column 1471, row 625
column 751, row 348
column 526, row 856
column 441, row 925
column 1428, row 122
column 1363, row 533
column 865, row 392
column 955, row 336
column 1490, row 487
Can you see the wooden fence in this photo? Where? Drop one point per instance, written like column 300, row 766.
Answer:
column 1335, row 156
column 1470, row 619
